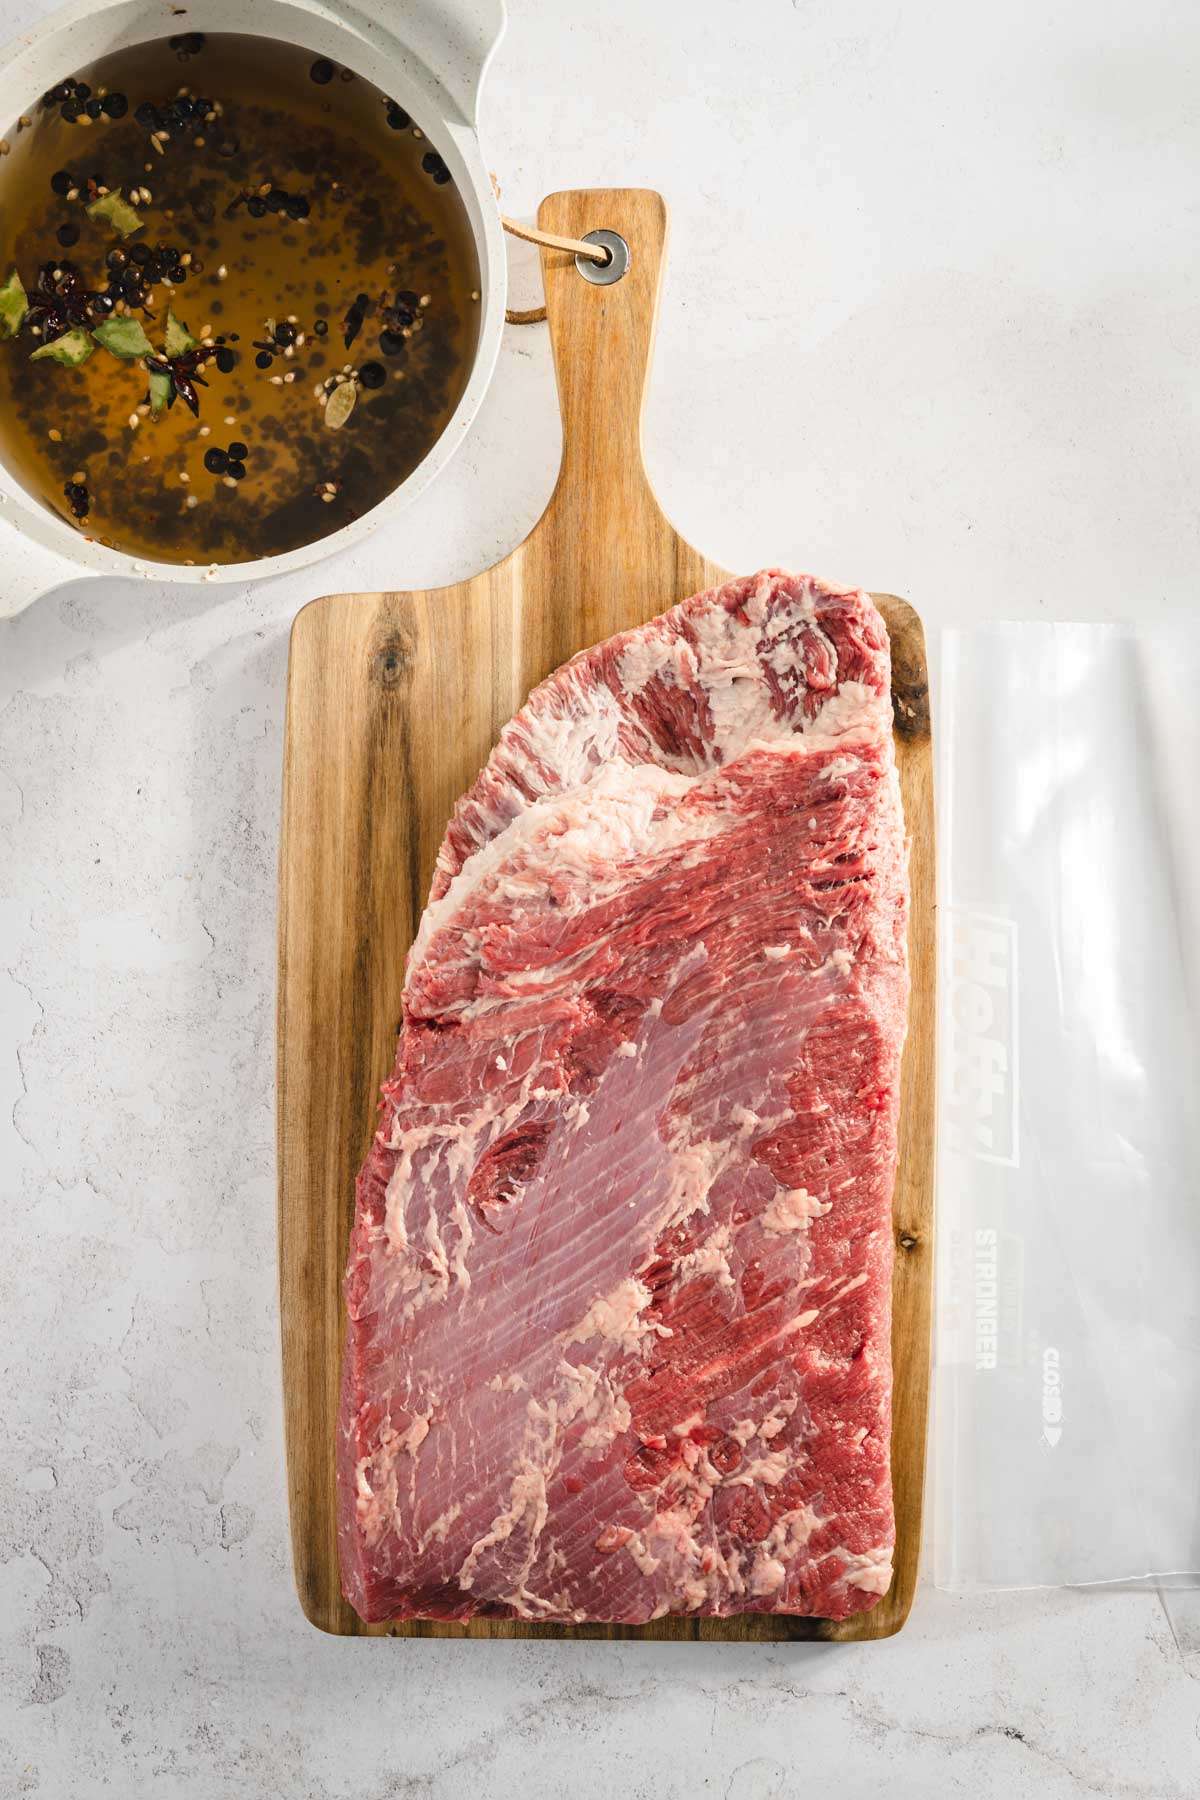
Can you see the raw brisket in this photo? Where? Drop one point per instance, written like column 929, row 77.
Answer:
column 619, row 1282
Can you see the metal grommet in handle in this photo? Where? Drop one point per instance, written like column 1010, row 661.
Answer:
column 604, row 274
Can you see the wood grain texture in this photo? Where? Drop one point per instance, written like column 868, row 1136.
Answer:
column 394, row 702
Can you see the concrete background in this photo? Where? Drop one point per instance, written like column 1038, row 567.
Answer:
column 930, row 324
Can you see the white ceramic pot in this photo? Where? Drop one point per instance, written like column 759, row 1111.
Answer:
column 430, row 56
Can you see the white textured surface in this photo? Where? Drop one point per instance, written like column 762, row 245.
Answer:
column 930, row 324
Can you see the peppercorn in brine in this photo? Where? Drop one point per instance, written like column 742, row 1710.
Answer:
column 238, row 298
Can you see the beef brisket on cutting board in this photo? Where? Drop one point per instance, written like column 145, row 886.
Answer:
column 619, row 1281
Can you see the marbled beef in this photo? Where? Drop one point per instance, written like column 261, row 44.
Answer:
column 619, row 1283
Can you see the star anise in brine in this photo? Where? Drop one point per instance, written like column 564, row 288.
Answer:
column 183, row 372
column 62, row 302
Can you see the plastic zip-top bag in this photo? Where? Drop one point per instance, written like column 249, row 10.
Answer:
column 1067, row 1387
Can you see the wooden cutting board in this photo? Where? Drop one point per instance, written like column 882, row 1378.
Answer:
column 394, row 702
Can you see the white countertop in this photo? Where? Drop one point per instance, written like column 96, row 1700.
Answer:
column 929, row 325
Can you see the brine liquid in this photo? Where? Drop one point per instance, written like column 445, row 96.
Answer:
column 370, row 243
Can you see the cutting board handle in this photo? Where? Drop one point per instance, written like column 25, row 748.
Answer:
column 602, row 338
